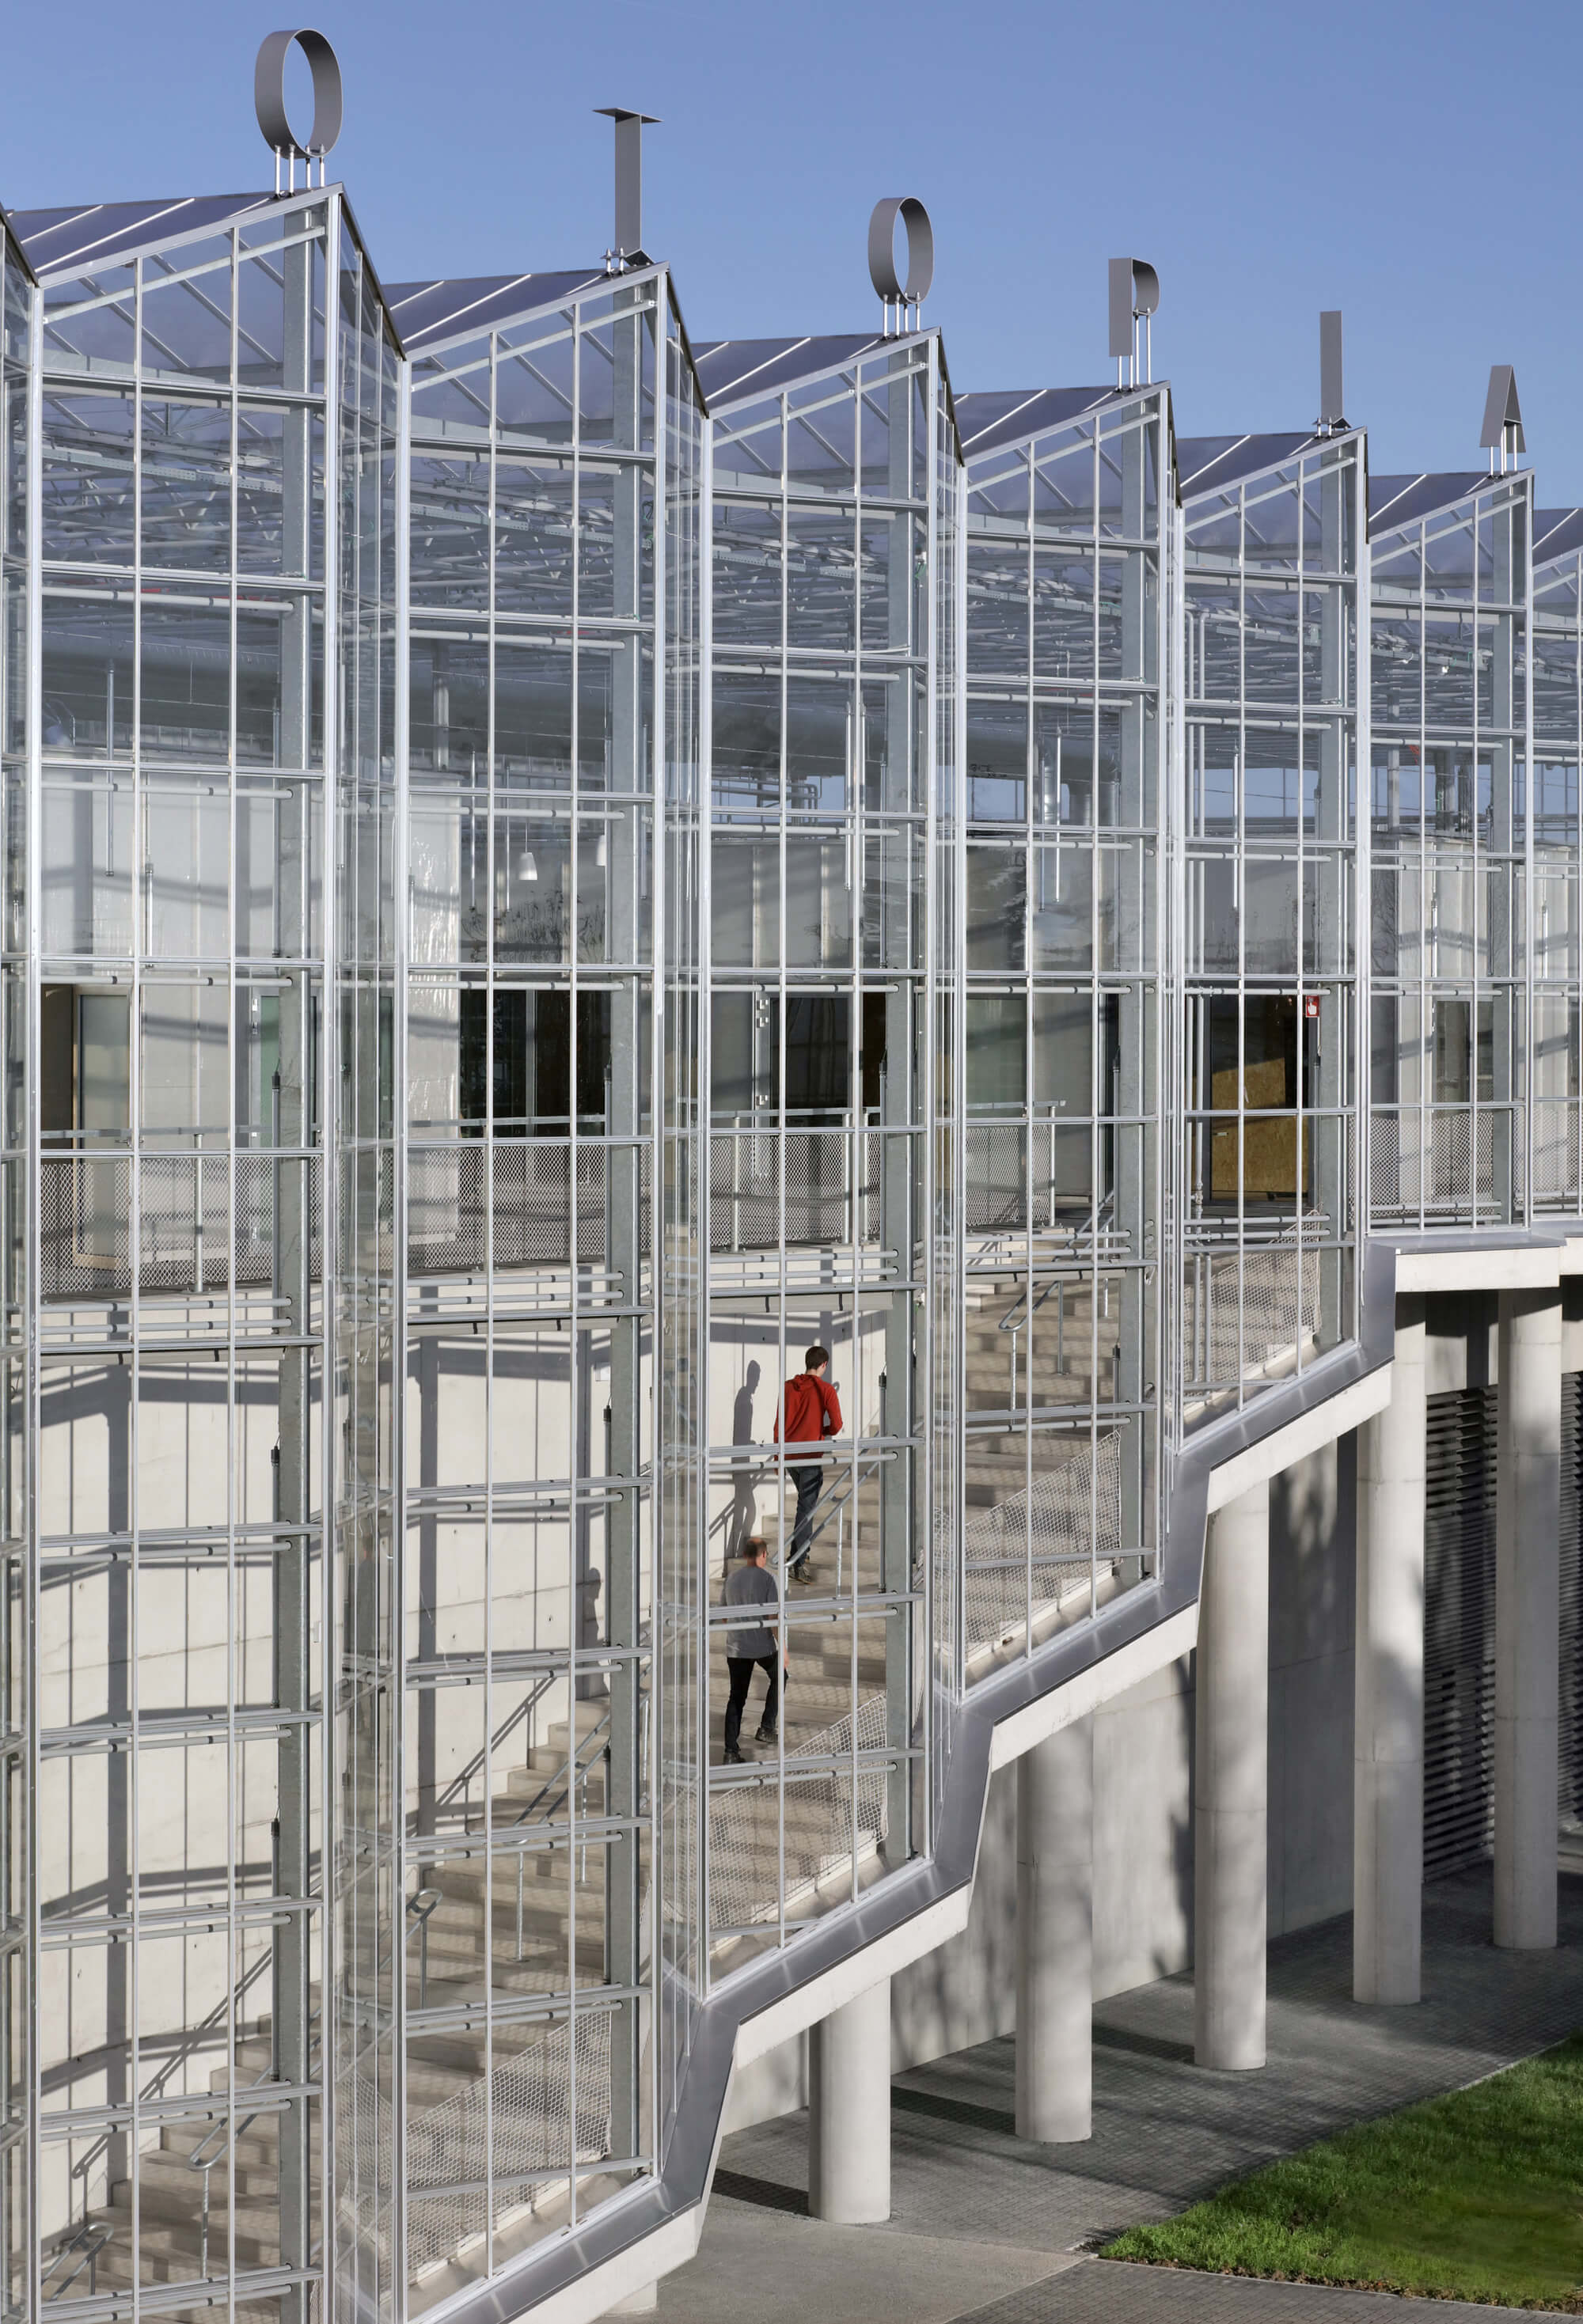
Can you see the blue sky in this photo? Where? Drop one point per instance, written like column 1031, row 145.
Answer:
column 1415, row 164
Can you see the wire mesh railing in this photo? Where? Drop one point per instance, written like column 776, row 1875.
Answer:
column 770, row 1848
column 199, row 1227
column 1444, row 1165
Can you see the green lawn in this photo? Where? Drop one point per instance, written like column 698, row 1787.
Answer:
column 1477, row 2196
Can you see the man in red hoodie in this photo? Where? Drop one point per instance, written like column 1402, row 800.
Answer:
column 812, row 1411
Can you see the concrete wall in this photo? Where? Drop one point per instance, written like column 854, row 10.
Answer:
column 965, row 1992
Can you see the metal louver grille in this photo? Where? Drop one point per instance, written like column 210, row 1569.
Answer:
column 1459, row 1629
column 1571, row 1626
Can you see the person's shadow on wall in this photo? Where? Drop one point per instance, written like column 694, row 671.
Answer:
column 744, row 1495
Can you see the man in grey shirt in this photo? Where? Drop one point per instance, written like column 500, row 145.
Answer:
column 750, row 1646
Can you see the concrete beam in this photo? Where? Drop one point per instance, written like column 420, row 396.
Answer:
column 1486, row 1267
column 1337, row 1417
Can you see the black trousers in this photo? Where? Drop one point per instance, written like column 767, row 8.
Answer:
column 807, row 1481
column 741, row 1671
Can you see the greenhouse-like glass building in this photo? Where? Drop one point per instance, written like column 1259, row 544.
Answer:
column 694, row 1021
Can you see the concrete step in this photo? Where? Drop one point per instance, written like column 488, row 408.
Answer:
column 171, row 2222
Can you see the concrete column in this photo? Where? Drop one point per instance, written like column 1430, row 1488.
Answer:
column 1231, row 1786
column 1528, row 1522
column 849, row 2112
column 1055, row 1936
column 1387, row 1768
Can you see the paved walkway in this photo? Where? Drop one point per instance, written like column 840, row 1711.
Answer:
column 987, row 2228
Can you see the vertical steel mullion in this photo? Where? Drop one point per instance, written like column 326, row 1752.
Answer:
column 1240, row 888
column 1519, row 656
column 1035, row 854
column 701, row 1131
column 1171, row 687
column 332, row 1165
column 925, row 1252
column 956, row 1224
column 321, row 1096
column 399, row 613
column 783, row 1640
column 33, row 1385
column 1171, row 1033
column 1428, row 964
column 1097, row 1093
column 666, row 554
column 692, row 817
column 1474, row 979
column 487, row 1189
column 233, row 1772
column 390, row 615
column 938, row 490
column 134, row 1278
column 1300, row 967
column 574, row 1303
column 1359, row 1055
column 854, row 1136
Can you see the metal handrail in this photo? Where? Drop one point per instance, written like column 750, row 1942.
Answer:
column 571, row 1766
column 482, row 1758
column 575, row 1770
column 422, row 1908
column 719, row 1523
column 227, row 2131
column 1013, row 1322
column 218, row 2016
column 88, row 2241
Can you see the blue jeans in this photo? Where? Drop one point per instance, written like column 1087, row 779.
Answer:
column 808, row 1482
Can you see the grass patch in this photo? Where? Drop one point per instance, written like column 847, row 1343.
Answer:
column 1476, row 2196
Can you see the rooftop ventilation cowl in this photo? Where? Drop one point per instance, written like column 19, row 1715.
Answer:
column 269, row 102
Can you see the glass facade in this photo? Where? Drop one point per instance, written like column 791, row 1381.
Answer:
column 552, row 735
column 831, row 547
column 1556, row 1174
column 1450, row 834
column 551, row 872
column 19, row 1565
column 1068, row 641
column 193, row 598
column 1272, row 540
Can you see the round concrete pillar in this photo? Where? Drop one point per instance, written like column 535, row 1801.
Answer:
column 849, row 2112
column 1528, row 1524
column 1387, row 1789
column 1055, row 1937
column 1231, row 1786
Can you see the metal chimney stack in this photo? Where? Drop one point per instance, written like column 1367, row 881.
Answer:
column 628, row 248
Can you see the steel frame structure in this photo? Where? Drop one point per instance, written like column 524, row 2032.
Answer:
column 1273, row 878
column 550, row 868
column 1071, row 748
column 1452, row 850
column 1556, row 661
column 827, row 909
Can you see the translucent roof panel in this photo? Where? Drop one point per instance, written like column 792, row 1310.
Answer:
column 729, row 368
column 993, row 417
column 425, row 313
column 1207, row 464
column 1557, row 532
column 1403, row 500
column 97, row 232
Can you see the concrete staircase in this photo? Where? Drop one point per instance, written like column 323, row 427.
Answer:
column 784, row 1829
